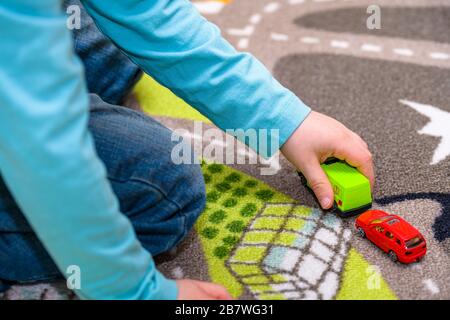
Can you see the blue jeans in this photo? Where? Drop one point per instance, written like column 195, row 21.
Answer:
column 109, row 73
column 161, row 199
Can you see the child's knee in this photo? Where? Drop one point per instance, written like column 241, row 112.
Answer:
column 189, row 199
column 194, row 196
column 168, row 218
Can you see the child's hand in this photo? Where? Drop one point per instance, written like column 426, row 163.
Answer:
column 199, row 290
column 320, row 137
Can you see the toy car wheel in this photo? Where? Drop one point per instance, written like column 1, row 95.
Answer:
column 335, row 208
column 361, row 232
column 393, row 256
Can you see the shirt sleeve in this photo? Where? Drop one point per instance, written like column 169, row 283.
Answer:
column 48, row 160
column 172, row 42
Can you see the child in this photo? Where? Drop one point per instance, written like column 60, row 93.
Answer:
column 98, row 190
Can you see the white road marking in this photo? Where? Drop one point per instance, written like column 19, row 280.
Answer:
column 437, row 127
column 376, row 48
column 310, row 40
column 244, row 32
column 243, row 43
column 271, row 7
column 439, row 56
column 279, row 36
column 431, row 286
column 371, row 48
column 339, row 44
column 294, row 2
column 255, row 19
column 404, row 52
column 178, row 273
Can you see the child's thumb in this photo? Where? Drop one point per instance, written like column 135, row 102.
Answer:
column 319, row 183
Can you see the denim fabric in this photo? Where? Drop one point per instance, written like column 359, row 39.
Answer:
column 109, row 72
column 161, row 199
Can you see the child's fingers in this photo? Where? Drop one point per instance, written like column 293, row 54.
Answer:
column 358, row 157
column 222, row 294
column 216, row 291
column 319, row 183
column 360, row 140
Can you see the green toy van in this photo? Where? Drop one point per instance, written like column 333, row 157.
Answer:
column 352, row 194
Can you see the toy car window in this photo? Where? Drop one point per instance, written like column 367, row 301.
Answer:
column 391, row 222
column 414, row 242
column 379, row 229
column 389, row 235
column 379, row 220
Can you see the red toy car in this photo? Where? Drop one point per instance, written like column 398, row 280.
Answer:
column 393, row 235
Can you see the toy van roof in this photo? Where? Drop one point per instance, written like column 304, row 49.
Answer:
column 344, row 175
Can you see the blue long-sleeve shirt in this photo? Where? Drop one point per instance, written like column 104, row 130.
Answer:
column 47, row 155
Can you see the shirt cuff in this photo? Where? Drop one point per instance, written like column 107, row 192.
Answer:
column 168, row 289
column 290, row 116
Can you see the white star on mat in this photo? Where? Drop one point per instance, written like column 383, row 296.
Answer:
column 439, row 126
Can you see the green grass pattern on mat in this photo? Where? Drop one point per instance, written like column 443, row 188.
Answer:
column 251, row 236
column 157, row 100
column 233, row 198
column 360, row 282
